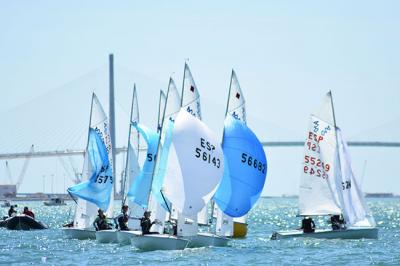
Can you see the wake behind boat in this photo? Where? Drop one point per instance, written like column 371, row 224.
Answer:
column 328, row 185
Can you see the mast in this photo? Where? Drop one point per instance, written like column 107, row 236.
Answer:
column 112, row 114
column 127, row 152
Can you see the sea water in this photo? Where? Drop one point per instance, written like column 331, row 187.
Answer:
column 49, row 247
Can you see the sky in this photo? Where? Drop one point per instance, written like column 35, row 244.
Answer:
column 287, row 55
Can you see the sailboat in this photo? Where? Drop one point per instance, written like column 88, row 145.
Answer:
column 168, row 110
column 328, row 185
column 132, row 170
column 189, row 226
column 95, row 190
column 245, row 167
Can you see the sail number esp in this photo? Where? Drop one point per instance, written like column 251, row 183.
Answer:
column 205, row 153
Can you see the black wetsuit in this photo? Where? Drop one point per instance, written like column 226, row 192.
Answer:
column 308, row 225
column 122, row 222
column 146, row 224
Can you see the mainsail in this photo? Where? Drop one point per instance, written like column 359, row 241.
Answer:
column 317, row 182
column 97, row 182
column 190, row 100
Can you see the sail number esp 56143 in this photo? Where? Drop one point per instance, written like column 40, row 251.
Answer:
column 205, row 153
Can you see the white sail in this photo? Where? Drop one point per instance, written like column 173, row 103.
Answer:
column 224, row 224
column 236, row 102
column 353, row 204
column 132, row 164
column 190, row 94
column 316, row 194
column 173, row 104
column 190, row 186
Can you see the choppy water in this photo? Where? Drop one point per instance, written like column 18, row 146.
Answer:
column 50, row 247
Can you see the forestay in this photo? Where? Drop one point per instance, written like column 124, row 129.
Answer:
column 200, row 158
column 99, row 186
column 245, row 169
column 317, row 182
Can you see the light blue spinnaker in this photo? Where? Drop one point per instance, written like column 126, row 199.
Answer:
column 139, row 192
column 246, row 169
column 162, row 168
column 97, row 189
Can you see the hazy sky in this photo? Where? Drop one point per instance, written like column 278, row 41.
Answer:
column 287, row 54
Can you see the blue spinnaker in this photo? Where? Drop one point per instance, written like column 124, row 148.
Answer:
column 97, row 189
column 162, row 168
column 140, row 189
column 245, row 169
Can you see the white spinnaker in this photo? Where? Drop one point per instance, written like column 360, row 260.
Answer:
column 191, row 103
column 353, row 204
column 317, row 182
column 86, row 212
column 190, row 187
column 190, row 94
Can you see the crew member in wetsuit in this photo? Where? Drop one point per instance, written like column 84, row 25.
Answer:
column 146, row 223
column 123, row 219
column 101, row 221
column 308, row 225
column 12, row 212
column 337, row 222
column 28, row 212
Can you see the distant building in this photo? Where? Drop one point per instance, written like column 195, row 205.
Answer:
column 8, row 191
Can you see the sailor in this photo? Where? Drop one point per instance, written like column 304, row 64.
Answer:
column 28, row 212
column 337, row 222
column 123, row 219
column 101, row 221
column 12, row 212
column 146, row 223
column 308, row 225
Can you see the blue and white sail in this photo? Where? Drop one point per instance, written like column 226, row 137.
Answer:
column 245, row 169
column 139, row 192
column 132, row 168
column 96, row 189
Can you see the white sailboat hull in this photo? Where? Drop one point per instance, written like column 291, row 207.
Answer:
column 124, row 237
column 107, row 236
column 159, row 242
column 350, row 233
column 79, row 233
column 207, row 240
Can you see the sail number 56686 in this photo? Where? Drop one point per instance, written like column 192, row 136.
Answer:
column 250, row 161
